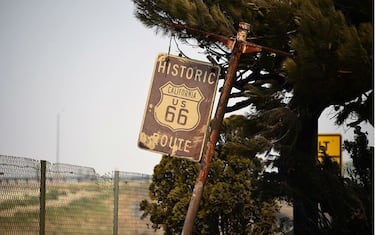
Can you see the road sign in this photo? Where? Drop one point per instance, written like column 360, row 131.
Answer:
column 330, row 144
column 179, row 106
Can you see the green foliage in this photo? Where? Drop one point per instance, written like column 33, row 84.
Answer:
column 363, row 159
column 161, row 13
column 170, row 193
column 228, row 205
column 332, row 56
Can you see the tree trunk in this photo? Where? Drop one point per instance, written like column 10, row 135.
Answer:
column 301, row 178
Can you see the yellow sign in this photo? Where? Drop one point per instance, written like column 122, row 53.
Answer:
column 330, row 145
column 179, row 106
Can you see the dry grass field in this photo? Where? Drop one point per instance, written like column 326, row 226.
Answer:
column 73, row 208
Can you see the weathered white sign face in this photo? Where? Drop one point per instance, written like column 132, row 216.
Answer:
column 179, row 107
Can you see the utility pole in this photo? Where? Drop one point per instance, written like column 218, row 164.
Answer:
column 238, row 48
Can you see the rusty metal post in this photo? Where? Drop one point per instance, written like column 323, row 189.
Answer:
column 216, row 125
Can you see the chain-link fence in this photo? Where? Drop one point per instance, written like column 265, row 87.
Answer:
column 37, row 197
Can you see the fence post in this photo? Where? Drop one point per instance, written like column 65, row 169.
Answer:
column 115, row 203
column 42, row 199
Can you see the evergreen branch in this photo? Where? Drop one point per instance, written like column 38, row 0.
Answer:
column 237, row 106
column 236, row 94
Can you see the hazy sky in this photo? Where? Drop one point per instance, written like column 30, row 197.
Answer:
column 88, row 61
column 91, row 62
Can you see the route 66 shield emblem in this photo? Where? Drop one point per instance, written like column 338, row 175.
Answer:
column 178, row 108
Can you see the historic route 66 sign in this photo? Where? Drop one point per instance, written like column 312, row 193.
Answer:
column 179, row 107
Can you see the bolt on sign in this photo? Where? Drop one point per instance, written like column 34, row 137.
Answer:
column 179, row 106
column 330, row 144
